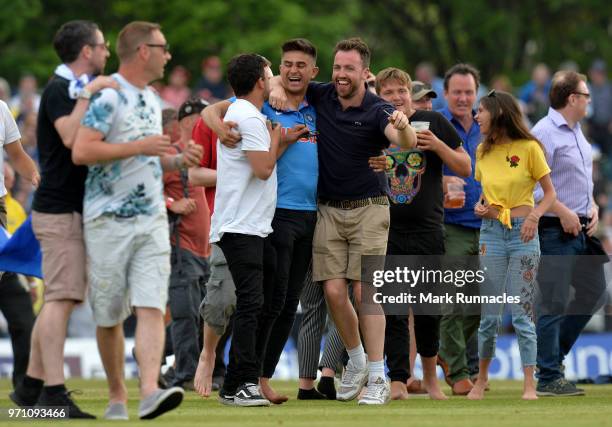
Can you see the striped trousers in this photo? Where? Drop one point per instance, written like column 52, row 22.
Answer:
column 314, row 312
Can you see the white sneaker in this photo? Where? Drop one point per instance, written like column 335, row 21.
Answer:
column 377, row 393
column 159, row 402
column 352, row 382
column 116, row 411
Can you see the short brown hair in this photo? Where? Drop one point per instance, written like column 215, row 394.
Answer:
column 300, row 45
column 392, row 73
column 564, row 83
column 133, row 35
column 464, row 69
column 357, row 44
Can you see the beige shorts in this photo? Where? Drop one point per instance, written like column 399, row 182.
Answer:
column 342, row 236
column 63, row 253
column 128, row 265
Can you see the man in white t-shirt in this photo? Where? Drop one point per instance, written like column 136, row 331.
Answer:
column 15, row 301
column 10, row 141
column 124, row 216
column 245, row 202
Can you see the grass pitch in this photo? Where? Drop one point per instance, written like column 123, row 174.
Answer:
column 501, row 407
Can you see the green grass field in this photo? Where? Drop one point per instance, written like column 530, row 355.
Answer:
column 501, row 407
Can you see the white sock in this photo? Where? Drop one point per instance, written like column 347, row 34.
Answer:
column 377, row 370
column 357, row 356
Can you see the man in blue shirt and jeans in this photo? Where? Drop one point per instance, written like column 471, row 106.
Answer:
column 462, row 227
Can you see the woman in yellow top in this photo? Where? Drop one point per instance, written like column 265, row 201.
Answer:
column 509, row 163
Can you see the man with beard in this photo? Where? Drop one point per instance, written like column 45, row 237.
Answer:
column 354, row 125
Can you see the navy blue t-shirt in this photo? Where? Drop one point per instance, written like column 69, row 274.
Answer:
column 347, row 139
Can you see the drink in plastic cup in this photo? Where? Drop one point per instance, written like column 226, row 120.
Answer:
column 455, row 195
column 419, row 126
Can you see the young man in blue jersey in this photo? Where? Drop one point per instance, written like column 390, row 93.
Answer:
column 295, row 215
column 296, row 209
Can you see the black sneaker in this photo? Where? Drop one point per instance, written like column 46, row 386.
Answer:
column 559, row 387
column 24, row 397
column 248, row 394
column 63, row 399
column 217, row 382
column 167, row 379
column 327, row 386
column 226, row 397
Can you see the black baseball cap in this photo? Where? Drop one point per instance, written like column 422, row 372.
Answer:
column 191, row 106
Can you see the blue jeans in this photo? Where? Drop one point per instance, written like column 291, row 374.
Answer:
column 510, row 266
column 560, row 321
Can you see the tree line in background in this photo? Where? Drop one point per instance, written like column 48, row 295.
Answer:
column 497, row 36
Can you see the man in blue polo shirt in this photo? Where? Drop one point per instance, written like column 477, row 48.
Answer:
column 461, row 225
column 353, row 221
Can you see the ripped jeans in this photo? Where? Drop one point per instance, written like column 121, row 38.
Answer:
column 510, row 267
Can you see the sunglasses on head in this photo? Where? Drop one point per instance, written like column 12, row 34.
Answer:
column 420, row 87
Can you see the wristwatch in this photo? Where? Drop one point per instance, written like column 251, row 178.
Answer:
column 85, row 94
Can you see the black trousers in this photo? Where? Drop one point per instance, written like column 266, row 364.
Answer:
column 292, row 242
column 16, row 305
column 247, row 258
column 426, row 326
column 185, row 293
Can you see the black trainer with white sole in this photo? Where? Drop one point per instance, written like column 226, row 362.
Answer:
column 226, row 397
column 248, row 394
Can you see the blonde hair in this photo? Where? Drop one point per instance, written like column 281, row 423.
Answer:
column 133, row 35
column 391, row 73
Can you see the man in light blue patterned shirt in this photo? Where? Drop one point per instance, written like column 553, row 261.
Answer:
column 125, row 222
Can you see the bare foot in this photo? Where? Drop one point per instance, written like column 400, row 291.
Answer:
column 530, row 395
column 362, row 392
column 202, row 381
column 398, row 390
column 477, row 392
column 433, row 389
column 269, row 393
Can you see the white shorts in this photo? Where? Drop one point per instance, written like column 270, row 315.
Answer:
column 128, row 263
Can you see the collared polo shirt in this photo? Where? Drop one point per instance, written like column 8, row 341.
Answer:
column 298, row 168
column 465, row 216
column 347, row 139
